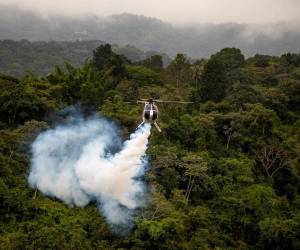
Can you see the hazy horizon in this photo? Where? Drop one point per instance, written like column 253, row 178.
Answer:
column 174, row 11
column 195, row 37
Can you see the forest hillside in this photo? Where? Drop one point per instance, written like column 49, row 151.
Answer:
column 18, row 58
column 223, row 174
column 146, row 33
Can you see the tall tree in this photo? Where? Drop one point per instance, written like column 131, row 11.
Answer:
column 179, row 68
column 213, row 84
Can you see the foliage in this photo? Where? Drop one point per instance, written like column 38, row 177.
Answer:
column 224, row 173
column 213, row 84
column 180, row 68
column 154, row 62
column 141, row 75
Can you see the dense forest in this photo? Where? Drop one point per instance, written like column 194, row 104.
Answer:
column 224, row 173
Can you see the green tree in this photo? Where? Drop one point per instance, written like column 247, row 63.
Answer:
column 261, row 60
column 141, row 75
column 180, row 68
column 196, row 170
column 105, row 58
column 154, row 62
column 231, row 58
column 278, row 234
column 213, row 84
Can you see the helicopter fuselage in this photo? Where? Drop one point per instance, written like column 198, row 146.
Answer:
column 150, row 114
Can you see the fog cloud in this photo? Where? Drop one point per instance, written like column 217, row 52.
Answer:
column 175, row 11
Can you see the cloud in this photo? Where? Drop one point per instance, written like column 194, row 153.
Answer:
column 175, row 11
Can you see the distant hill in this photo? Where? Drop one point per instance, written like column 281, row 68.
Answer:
column 39, row 57
column 150, row 34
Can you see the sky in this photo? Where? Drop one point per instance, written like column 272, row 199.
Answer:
column 174, row 11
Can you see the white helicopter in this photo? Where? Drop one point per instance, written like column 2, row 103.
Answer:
column 150, row 113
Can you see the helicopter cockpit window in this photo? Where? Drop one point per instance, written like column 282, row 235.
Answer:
column 148, row 107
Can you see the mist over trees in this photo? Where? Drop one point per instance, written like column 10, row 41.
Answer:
column 150, row 34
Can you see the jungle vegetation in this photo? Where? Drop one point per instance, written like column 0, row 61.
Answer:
column 225, row 171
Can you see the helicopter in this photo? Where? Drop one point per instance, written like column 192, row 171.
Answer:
column 150, row 112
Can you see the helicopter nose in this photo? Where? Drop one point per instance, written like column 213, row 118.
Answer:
column 147, row 115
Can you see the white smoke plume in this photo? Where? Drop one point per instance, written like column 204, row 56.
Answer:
column 78, row 163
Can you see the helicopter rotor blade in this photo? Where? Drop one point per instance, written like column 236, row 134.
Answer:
column 173, row 101
column 158, row 100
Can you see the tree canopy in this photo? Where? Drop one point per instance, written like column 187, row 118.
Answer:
column 224, row 173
